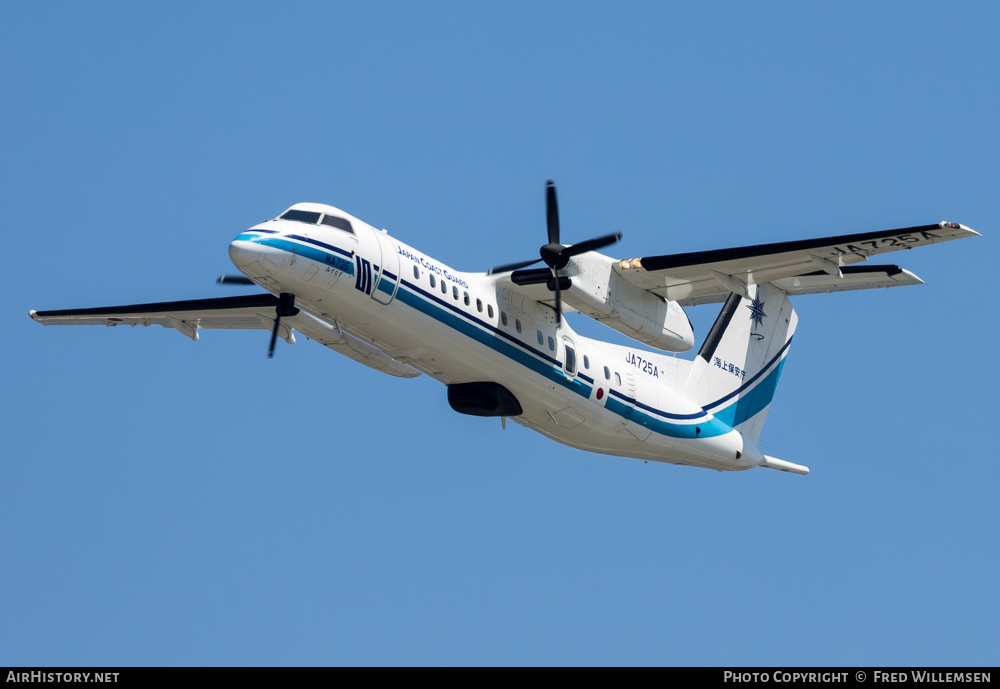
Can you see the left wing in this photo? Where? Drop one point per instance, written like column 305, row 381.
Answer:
column 799, row 267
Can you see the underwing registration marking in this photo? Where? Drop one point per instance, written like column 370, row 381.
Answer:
column 872, row 246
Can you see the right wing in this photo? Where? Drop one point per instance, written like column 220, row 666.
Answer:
column 255, row 311
column 250, row 312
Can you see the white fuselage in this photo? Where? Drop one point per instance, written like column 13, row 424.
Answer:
column 462, row 327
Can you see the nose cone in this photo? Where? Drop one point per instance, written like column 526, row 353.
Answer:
column 244, row 255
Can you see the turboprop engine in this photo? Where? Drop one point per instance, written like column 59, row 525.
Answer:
column 585, row 279
column 596, row 290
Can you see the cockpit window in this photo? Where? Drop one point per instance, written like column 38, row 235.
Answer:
column 339, row 223
column 301, row 216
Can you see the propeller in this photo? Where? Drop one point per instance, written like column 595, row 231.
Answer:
column 286, row 307
column 554, row 254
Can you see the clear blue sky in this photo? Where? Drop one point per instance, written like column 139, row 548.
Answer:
column 170, row 502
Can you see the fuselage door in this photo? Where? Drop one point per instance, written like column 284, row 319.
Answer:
column 386, row 278
column 635, row 419
column 569, row 358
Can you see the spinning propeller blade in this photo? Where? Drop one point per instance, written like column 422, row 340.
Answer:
column 555, row 254
column 592, row 244
column 551, row 212
column 286, row 307
column 507, row 267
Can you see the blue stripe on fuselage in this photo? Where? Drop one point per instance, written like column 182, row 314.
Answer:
column 320, row 255
column 489, row 336
column 416, row 298
column 752, row 403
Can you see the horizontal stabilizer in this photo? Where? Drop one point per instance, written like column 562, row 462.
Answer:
column 782, row 465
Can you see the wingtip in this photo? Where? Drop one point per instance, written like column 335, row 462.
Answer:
column 959, row 226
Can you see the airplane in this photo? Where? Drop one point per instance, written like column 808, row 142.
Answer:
column 499, row 342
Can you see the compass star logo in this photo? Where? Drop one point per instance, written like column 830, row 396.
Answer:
column 757, row 314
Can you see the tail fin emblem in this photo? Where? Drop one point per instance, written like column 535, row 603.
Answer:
column 757, row 315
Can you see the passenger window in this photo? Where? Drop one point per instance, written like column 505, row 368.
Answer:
column 552, row 344
column 586, row 362
column 466, row 298
column 618, row 379
column 416, row 273
column 433, row 281
column 454, row 292
column 607, row 373
column 503, row 317
column 489, row 310
column 539, row 334
column 444, row 288
column 517, row 325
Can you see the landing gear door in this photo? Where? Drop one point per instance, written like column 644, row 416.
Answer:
column 386, row 279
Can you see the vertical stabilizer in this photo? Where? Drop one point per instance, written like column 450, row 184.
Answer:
column 736, row 371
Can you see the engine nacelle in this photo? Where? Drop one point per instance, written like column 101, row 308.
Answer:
column 598, row 291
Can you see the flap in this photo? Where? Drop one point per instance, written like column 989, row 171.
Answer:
column 852, row 278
